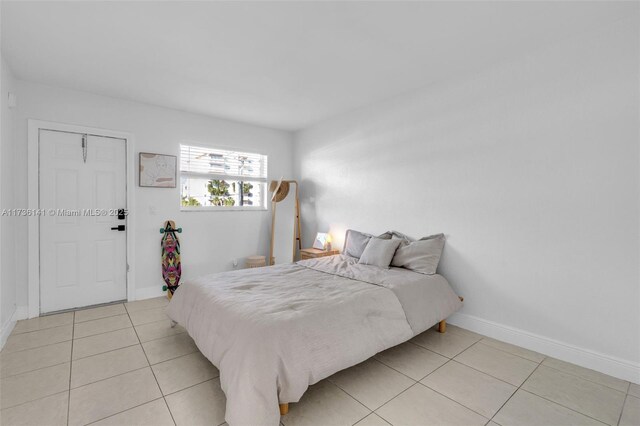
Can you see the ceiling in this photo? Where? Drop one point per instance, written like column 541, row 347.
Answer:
column 285, row 65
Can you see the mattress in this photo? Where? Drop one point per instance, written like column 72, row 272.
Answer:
column 274, row 331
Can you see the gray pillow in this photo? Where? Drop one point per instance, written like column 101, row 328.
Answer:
column 400, row 235
column 379, row 252
column 420, row 256
column 355, row 242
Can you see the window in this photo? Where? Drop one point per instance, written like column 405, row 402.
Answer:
column 219, row 179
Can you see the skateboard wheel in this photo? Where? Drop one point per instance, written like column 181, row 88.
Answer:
column 164, row 288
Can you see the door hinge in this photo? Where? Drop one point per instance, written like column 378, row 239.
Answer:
column 128, row 267
column 84, row 148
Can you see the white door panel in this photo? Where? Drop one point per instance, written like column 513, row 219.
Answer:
column 82, row 261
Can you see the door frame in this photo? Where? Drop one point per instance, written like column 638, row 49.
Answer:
column 33, row 189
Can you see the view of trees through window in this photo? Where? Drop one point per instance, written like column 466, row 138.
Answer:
column 237, row 179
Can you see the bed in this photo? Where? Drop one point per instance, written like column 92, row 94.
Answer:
column 274, row 331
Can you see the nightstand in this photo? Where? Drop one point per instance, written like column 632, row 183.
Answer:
column 312, row 253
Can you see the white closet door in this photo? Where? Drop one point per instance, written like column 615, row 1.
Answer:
column 83, row 261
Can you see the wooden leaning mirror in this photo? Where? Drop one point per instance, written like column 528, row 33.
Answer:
column 280, row 190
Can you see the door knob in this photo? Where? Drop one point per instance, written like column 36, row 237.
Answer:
column 118, row 228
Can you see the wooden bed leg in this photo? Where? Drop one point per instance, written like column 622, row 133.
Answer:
column 284, row 409
column 442, row 326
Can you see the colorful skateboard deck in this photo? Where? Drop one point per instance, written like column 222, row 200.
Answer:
column 171, row 267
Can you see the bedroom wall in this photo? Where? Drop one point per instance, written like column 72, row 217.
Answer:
column 531, row 169
column 210, row 240
column 7, row 201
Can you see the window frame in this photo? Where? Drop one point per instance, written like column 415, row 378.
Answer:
column 263, row 181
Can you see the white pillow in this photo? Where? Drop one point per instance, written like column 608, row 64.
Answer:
column 420, row 256
column 379, row 252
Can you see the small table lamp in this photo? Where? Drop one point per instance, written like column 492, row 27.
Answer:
column 327, row 242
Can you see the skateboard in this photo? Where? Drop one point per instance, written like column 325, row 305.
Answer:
column 171, row 267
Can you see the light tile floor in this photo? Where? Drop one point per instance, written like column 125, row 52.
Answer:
column 124, row 365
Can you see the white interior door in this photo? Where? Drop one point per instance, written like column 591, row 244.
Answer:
column 83, row 261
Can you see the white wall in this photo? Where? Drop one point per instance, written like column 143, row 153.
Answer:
column 531, row 169
column 7, row 201
column 210, row 240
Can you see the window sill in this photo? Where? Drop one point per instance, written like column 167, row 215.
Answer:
column 223, row 209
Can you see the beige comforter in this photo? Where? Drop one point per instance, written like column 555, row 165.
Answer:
column 274, row 331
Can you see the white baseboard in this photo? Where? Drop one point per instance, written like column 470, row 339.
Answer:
column 607, row 364
column 21, row 312
column 149, row 293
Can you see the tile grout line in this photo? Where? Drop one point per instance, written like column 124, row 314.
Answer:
column 145, row 309
column 388, row 366
column 433, row 390
column 483, row 338
column 29, row 402
column 563, row 406
column 71, row 360
column 129, row 346
column 84, row 308
column 350, row 396
column 35, row 369
column 545, row 357
column 70, row 368
column 546, row 399
column 451, row 399
column 35, row 331
column 38, row 347
column 117, row 375
column 101, row 318
column 86, row 337
column 139, row 405
column 622, row 411
column 104, row 332
column 359, row 420
column 472, row 368
column 588, row 380
column 378, row 416
column 126, row 312
column 515, row 391
column 43, row 396
column 19, row 333
column 421, row 347
column 193, row 385
column 105, row 352
column 120, row 329
column 569, row 408
column 152, row 372
column 453, row 359
column 497, row 378
column 511, row 353
column 418, row 381
column 455, row 355
column 111, row 377
column 375, row 411
column 130, row 371
column 120, row 412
